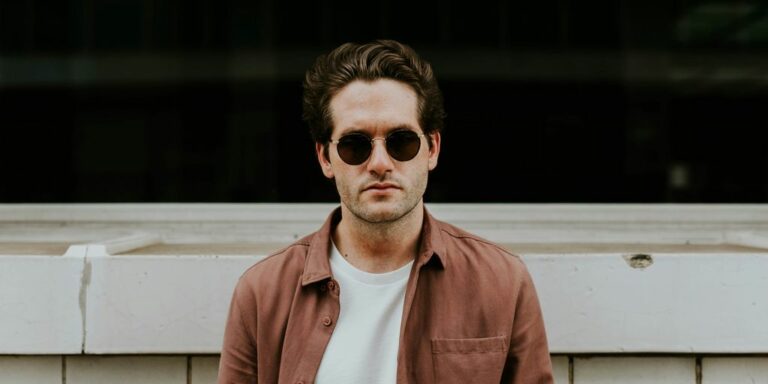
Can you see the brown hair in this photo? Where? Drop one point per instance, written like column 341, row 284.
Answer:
column 379, row 59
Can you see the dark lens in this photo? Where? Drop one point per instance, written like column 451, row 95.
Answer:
column 403, row 145
column 354, row 148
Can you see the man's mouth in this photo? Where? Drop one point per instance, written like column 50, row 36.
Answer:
column 381, row 186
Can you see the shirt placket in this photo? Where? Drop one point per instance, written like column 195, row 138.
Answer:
column 403, row 366
column 324, row 324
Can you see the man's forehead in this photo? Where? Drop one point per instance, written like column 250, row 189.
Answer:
column 381, row 105
column 381, row 86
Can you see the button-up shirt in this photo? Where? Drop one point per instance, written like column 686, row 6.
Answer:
column 471, row 314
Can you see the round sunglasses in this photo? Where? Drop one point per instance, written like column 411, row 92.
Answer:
column 355, row 148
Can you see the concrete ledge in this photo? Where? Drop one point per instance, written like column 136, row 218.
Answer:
column 40, row 307
column 665, row 280
column 160, row 304
column 606, row 303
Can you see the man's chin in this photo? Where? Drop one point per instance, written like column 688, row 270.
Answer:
column 385, row 211
column 381, row 212
column 381, row 216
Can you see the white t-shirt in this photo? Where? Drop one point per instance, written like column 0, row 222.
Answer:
column 363, row 346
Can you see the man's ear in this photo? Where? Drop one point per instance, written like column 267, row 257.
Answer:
column 434, row 149
column 325, row 163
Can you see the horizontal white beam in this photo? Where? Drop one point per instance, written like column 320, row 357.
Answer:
column 145, row 278
column 160, row 304
column 40, row 304
column 667, row 303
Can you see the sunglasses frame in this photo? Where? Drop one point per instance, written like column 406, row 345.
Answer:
column 372, row 140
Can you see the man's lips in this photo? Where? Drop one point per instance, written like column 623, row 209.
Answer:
column 380, row 186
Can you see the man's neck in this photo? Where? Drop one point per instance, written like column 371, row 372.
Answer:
column 379, row 247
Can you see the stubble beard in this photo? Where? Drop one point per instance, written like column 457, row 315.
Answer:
column 384, row 211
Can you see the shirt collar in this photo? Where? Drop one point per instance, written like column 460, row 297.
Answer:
column 432, row 244
column 317, row 266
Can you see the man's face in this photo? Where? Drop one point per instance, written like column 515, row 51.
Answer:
column 381, row 189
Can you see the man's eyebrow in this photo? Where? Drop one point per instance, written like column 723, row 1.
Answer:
column 399, row 127
column 403, row 127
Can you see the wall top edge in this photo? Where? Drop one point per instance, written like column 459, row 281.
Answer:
column 314, row 212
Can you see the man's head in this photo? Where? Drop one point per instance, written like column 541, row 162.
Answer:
column 378, row 106
column 381, row 59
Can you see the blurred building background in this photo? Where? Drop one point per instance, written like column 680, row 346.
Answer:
column 559, row 101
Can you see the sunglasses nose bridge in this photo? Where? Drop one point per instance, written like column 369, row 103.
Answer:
column 379, row 153
column 375, row 139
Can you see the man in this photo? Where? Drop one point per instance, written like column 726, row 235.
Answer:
column 383, row 292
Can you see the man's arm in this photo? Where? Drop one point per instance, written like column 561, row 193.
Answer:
column 528, row 360
column 238, row 362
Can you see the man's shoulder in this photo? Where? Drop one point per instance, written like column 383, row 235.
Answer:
column 282, row 264
column 465, row 246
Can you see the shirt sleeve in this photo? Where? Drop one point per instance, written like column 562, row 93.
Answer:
column 528, row 360
column 238, row 363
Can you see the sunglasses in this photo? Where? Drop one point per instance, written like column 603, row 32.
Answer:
column 356, row 148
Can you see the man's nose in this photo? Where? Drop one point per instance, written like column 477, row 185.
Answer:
column 380, row 162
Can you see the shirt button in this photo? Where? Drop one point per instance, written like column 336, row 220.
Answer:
column 327, row 321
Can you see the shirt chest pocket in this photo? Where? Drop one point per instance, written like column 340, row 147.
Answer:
column 469, row 360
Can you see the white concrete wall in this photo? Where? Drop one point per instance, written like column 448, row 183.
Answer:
column 40, row 308
column 101, row 293
column 145, row 369
column 634, row 370
column 201, row 369
column 31, row 369
column 682, row 303
column 160, row 304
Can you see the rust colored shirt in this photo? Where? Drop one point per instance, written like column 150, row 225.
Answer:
column 471, row 314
